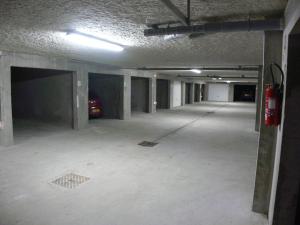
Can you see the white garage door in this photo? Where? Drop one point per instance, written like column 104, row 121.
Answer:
column 218, row 92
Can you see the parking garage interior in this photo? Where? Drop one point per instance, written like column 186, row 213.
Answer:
column 149, row 112
column 42, row 100
column 108, row 89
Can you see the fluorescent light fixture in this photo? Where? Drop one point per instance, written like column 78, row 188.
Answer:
column 214, row 78
column 220, row 78
column 196, row 71
column 228, row 82
column 172, row 36
column 93, row 42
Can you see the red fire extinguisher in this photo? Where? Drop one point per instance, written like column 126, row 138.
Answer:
column 273, row 102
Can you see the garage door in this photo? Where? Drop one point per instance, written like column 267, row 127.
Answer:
column 218, row 92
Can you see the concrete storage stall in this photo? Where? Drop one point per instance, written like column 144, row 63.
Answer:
column 139, row 94
column 188, row 87
column 41, row 97
column 244, row 93
column 162, row 94
column 109, row 90
column 197, row 93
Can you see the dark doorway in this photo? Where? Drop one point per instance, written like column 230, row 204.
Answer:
column 197, row 93
column 162, row 94
column 42, row 100
column 188, row 87
column 244, row 93
column 108, row 91
column 139, row 94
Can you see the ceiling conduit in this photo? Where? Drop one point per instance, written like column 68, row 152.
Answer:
column 235, row 26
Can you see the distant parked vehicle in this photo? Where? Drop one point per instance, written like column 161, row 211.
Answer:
column 95, row 107
column 247, row 96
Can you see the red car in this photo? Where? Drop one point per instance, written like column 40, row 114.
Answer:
column 95, row 107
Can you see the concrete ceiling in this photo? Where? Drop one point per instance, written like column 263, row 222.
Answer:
column 35, row 26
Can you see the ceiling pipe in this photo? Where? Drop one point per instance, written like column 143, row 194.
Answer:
column 240, row 68
column 235, row 26
column 177, row 13
column 209, row 77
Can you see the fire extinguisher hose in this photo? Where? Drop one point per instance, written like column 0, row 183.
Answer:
column 272, row 74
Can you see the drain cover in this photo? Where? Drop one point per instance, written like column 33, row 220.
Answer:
column 210, row 112
column 147, row 144
column 70, row 180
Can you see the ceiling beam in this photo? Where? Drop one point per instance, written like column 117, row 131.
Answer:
column 177, row 13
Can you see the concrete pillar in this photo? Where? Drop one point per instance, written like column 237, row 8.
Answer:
column 182, row 93
column 152, row 95
column 231, row 93
column 80, row 99
column 266, row 149
column 6, row 126
column 192, row 93
column 259, row 92
column 171, row 94
column 126, row 114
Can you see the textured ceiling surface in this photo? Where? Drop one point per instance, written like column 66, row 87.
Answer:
column 36, row 26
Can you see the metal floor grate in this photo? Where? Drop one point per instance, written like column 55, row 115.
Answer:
column 210, row 112
column 147, row 144
column 70, row 180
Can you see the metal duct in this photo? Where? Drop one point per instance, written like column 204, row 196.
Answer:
column 236, row 26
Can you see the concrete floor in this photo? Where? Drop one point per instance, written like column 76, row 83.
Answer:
column 201, row 172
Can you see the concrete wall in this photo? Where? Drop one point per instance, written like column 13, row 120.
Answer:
column 231, row 93
column 47, row 98
column 218, row 92
column 139, row 94
column 162, row 94
column 109, row 89
column 288, row 188
column 286, row 164
column 176, row 94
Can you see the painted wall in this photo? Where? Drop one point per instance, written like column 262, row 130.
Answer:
column 177, row 93
column 47, row 99
column 218, row 92
column 109, row 89
column 140, row 94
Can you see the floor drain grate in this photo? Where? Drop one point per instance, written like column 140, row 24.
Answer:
column 210, row 112
column 70, row 180
column 147, row 144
